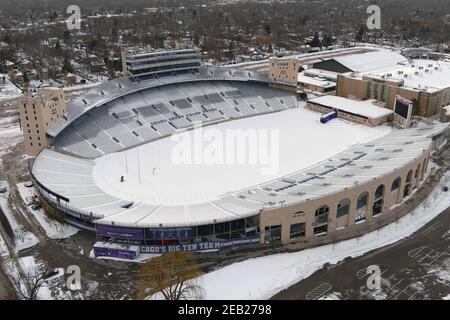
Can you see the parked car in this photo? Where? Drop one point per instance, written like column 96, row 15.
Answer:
column 3, row 187
column 30, row 200
column 36, row 206
column 51, row 273
column 29, row 184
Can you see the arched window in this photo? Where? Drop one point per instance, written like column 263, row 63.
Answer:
column 321, row 220
column 407, row 189
column 424, row 169
column 417, row 176
column 396, row 184
column 324, row 209
column 395, row 189
column 378, row 201
column 343, row 208
column 361, row 206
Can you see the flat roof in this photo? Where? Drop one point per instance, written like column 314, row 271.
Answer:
column 316, row 81
column 364, row 108
column 364, row 62
column 418, row 74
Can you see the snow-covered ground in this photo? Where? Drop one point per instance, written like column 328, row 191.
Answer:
column 3, row 248
column 261, row 278
column 8, row 90
column 8, row 120
column 22, row 239
column 163, row 179
column 82, row 86
column 53, row 228
column 10, row 135
column 30, row 266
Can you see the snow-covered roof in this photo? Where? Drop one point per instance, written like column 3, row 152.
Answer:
column 419, row 74
column 447, row 110
column 365, row 108
column 364, row 62
column 315, row 81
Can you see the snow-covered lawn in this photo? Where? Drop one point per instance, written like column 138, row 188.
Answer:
column 22, row 239
column 53, row 228
column 30, row 266
column 261, row 278
column 167, row 180
column 3, row 248
column 8, row 90
column 10, row 135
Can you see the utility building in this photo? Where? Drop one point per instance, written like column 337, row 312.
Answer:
column 38, row 111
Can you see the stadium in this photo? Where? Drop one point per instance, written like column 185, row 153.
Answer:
column 110, row 170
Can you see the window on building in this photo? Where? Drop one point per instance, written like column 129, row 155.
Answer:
column 385, row 93
column 343, row 208
column 272, row 233
column 395, row 184
column 297, row 230
column 407, row 189
column 377, row 207
column 369, row 89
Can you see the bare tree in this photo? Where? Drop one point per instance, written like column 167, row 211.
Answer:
column 171, row 275
column 6, row 292
column 29, row 281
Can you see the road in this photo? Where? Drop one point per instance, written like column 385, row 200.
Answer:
column 418, row 267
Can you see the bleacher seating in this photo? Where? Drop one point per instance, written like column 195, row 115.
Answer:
column 159, row 111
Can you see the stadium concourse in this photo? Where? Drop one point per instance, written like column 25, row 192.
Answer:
column 101, row 172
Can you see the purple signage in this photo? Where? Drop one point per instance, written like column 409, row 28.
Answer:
column 120, row 232
column 329, row 116
column 121, row 253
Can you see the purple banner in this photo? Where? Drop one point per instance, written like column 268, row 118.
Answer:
column 120, row 232
column 115, row 252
